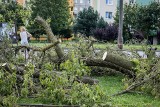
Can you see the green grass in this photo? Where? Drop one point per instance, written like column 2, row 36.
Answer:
column 96, row 45
column 29, row 101
column 113, row 84
column 100, row 45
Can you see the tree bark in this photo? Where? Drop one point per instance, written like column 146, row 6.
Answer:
column 102, row 63
column 51, row 36
column 118, row 60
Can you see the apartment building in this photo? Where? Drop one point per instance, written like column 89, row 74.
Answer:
column 79, row 5
column 107, row 8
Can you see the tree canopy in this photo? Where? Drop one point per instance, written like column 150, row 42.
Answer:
column 55, row 11
column 86, row 21
column 143, row 19
column 13, row 13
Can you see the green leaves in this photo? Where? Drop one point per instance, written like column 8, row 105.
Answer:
column 56, row 10
column 86, row 21
column 140, row 18
column 11, row 12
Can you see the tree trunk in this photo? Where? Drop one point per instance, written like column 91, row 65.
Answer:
column 118, row 60
column 51, row 36
column 102, row 63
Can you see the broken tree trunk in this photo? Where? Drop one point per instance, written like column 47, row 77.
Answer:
column 102, row 63
column 51, row 36
column 118, row 60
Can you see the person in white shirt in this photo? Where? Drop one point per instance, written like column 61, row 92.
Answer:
column 24, row 36
column 24, row 39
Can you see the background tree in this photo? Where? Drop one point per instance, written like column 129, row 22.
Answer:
column 141, row 19
column 13, row 13
column 101, row 23
column 86, row 21
column 55, row 11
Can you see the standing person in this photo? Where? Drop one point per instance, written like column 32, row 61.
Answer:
column 24, row 35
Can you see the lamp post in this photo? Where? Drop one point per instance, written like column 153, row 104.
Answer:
column 120, row 30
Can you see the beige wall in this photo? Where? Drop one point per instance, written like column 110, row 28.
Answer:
column 108, row 8
column 102, row 8
column 71, row 4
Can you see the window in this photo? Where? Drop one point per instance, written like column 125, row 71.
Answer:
column 109, row 15
column 81, row 1
column 109, row 2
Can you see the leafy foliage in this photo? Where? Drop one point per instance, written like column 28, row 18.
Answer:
column 51, row 85
column 101, row 23
column 142, row 20
column 109, row 33
column 6, row 51
column 57, row 14
column 147, row 69
column 13, row 13
column 86, row 21
column 68, row 91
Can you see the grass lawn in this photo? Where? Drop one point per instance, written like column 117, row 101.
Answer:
column 113, row 84
column 100, row 45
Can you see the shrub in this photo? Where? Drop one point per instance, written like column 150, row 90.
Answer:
column 110, row 33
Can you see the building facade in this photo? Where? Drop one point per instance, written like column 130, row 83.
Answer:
column 105, row 8
column 79, row 5
column 71, row 6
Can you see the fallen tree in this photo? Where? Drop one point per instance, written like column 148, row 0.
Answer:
column 109, row 60
column 102, row 63
column 21, row 70
column 118, row 60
